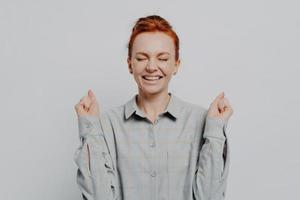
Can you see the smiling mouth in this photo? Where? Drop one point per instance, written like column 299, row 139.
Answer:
column 152, row 78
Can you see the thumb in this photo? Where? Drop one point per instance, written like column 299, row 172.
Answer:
column 218, row 98
column 91, row 95
column 221, row 95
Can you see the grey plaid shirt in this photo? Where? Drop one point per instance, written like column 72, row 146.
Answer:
column 184, row 155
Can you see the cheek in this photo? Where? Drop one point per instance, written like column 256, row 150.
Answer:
column 168, row 69
column 138, row 68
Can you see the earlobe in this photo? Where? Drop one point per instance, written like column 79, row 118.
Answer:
column 178, row 63
column 130, row 69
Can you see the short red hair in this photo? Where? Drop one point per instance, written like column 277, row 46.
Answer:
column 153, row 23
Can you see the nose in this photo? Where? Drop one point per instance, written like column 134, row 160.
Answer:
column 151, row 66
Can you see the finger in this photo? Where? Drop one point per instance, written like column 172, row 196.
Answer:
column 221, row 105
column 86, row 101
column 228, row 108
column 226, row 102
column 94, row 103
column 79, row 107
column 218, row 98
column 94, row 106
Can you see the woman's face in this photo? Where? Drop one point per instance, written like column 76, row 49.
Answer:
column 153, row 62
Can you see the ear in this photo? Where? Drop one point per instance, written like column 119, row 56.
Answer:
column 177, row 65
column 129, row 65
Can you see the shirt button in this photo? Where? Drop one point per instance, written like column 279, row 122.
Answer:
column 152, row 144
column 153, row 173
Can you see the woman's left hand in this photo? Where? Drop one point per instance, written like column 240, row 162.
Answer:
column 220, row 108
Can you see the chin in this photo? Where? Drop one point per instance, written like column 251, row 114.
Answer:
column 152, row 91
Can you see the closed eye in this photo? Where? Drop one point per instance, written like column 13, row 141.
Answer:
column 140, row 59
column 163, row 59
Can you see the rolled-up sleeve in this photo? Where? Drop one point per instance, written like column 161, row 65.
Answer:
column 96, row 174
column 213, row 163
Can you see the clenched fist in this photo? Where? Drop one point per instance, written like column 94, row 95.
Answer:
column 220, row 108
column 87, row 105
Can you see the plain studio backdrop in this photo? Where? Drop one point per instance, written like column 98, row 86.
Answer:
column 52, row 52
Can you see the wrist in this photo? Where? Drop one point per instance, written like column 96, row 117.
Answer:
column 214, row 127
column 87, row 125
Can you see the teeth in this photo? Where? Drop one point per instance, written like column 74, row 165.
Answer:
column 151, row 77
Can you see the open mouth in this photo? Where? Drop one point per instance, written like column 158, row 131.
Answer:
column 152, row 78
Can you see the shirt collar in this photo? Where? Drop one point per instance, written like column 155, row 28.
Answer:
column 173, row 107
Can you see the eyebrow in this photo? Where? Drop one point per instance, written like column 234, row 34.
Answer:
column 143, row 53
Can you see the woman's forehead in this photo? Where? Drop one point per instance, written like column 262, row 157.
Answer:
column 153, row 43
column 157, row 52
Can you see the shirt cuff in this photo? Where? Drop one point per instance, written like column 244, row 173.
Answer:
column 88, row 125
column 215, row 128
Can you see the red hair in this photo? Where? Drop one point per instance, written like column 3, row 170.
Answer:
column 153, row 23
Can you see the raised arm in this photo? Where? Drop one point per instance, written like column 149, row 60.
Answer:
column 210, row 180
column 213, row 163
column 96, row 175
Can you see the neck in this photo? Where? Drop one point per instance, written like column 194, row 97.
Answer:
column 153, row 104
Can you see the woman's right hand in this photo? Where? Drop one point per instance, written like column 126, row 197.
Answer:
column 87, row 105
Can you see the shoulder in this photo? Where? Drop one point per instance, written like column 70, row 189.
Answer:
column 193, row 114
column 113, row 112
column 117, row 112
column 190, row 108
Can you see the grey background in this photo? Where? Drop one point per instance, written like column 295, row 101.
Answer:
column 52, row 52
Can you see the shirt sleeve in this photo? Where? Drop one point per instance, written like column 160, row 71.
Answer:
column 210, row 179
column 96, row 173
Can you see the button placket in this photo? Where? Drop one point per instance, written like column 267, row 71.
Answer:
column 151, row 136
column 152, row 145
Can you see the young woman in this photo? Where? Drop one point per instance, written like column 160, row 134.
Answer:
column 156, row 146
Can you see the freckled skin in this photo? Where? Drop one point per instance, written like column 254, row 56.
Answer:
column 152, row 62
